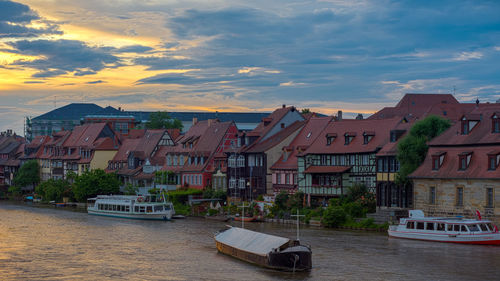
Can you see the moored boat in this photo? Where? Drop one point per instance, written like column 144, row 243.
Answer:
column 443, row 229
column 263, row 249
column 148, row 207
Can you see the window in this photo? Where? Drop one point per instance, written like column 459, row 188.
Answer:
column 181, row 161
column 449, row 227
column 241, row 183
column 380, row 165
column 495, row 128
column 278, row 178
column 492, row 162
column 435, row 163
column 460, row 196
column 429, row 226
column 232, row 183
column 410, row 225
column 330, row 138
column 287, row 178
column 432, row 195
column 169, row 160
column 241, row 161
column 420, row 225
column 465, row 127
column 464, row 159
column 251, row 160
column 348, row 138
column 463, row 228
column 489, row 197
column 440, row 227
column 232, row 161
column 456, row 227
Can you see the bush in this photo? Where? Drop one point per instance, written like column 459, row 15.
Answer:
column 334, row 216
column 212, row 212
column 355, row 209
column 181, row 196
column 181, row 209
column 14, row 190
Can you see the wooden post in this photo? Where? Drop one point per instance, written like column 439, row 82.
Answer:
column 297, row 215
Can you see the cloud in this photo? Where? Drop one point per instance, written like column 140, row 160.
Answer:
column 291, row 84
column 465, row 56
column 134, row 49
column 16, row 18
column 56, row 57
column 95, row 82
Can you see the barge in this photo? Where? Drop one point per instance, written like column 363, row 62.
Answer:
column 263, row 249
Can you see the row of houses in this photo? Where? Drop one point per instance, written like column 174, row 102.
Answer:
column 321, row 156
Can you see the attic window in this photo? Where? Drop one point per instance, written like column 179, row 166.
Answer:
column 493, row 160
column 464, row 160
column 282, row 125
column 87, row 139
column 330, row 138
column 469, row 122
column 495, row 123
column 309, row 135
column 367, row 137
column 437, row 160
column 349, row 137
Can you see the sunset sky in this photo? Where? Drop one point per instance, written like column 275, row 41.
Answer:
column 186, row 55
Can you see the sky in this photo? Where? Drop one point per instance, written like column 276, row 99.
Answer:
column 232, row 55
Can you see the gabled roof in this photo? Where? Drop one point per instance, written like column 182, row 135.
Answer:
column 381, row 128
column 84, row 135
column 477, row 168
column 269, row 122
column 311, row 130
column 127, row 146
column 73, row 111
column 274, row 139
column 416, row 105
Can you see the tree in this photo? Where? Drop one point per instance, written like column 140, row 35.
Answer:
column 95, row 182
column 305, row 110
column 54, row 189
column 28, row 174
column 161, row 120
column 413, row 148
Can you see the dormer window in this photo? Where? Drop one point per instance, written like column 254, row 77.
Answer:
column 437, row 160
column 267, row 121
column 495, row 123
column 368, row 136
column 469, row 122
column 464, row 160
column 493, row 160
column 330, row 138
column 349, row 137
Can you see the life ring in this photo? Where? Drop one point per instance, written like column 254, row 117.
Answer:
column 140, row 199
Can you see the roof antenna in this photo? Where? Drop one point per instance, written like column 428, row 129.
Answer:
column 454, row 89
column 55, row 104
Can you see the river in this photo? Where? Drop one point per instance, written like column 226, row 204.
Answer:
column 59, row 244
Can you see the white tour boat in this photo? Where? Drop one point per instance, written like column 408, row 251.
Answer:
column 452, row 230
column 146, row 207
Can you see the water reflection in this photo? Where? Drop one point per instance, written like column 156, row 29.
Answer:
column 47, row 244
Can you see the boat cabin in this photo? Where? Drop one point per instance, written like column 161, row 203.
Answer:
column 450, row 226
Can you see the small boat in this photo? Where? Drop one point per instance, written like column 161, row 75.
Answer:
column 147, row 207
column 263, row 249
column 245, row 219
column 442, row 229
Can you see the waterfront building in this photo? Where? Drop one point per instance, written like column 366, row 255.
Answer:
column 141, row 155
column 285, row 170
column 249, row 164
column 199, row 159
column 343, row 155
column 11, row 149
column 460, row 173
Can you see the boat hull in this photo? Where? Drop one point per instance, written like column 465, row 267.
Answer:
column 155, row 216
column 293, row 260
column 480, row 239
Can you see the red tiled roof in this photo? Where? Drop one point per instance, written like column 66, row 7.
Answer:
column 480, row 134
column 127, row 146
column 477, row 169
column 274, row 139
column 382, row 128
column 326, row 169
column 262, row 129
column 311, row 130
column 105, row 144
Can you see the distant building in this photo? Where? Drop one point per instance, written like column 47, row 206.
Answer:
column 74, row 114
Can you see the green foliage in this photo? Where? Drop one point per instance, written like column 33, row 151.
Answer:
column 182, row 209
column 281, row 200
column 181, row 196
column 260, row 197
column 296, row 201
column 334, row 216
column 54, row 190
column 165, row 177
column 28, row 174
column 95, row 182
column 305, row 110
column 413, row 148
column 130, row 189
column 161, row 120
column 14, row 190
column 212, row 212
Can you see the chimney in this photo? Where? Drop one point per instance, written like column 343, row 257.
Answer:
column 282, row 125
column 9, row 132
column 284, row 105
column 359, row 117
column 339, row 115
column 195, row 120
column 477, row 102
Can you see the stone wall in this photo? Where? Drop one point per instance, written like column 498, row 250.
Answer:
column 474, row 198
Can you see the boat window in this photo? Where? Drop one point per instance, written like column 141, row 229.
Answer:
column 420, row 225
column 490, row 226
column 456, row 227
column 114, row 207
column 127, row 209
column 136, row 209
column 158, row 208
column 463, row 228
column 473, row 227
column 483, row 227
column 430, row 226
column 167, row 207
column 410, row 225
column 142, row 209
column 440, row 227
column 149, row 209
column 449, row 227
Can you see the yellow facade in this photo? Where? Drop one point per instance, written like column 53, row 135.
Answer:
column 101, row 159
